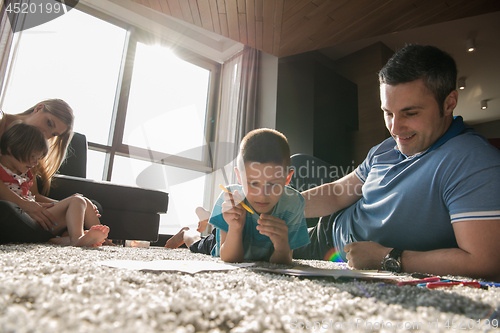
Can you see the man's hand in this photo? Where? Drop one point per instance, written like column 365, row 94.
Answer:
column 277, row 230
column 477, row 255
column 38, row 212
column 365, row 255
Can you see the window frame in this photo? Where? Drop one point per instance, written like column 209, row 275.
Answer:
column 115, row 145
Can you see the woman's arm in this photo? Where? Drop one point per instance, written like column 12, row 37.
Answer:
column 35, row 210
column 39, row 197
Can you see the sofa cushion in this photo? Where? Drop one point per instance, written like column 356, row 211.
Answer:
column 110, row 195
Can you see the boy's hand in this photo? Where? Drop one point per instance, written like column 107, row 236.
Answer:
column 275, row 228
column 234, row 214
column 231, row 249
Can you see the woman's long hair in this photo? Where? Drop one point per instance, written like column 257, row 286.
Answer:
column 58, row 145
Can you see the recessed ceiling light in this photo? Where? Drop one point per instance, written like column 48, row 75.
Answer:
column 461, row 83
column 470, row 44
column 484, row 104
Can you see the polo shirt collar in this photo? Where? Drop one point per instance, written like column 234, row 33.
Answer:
column 401, row 161
column 457, row 126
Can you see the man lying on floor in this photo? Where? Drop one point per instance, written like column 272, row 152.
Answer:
column 425, row 200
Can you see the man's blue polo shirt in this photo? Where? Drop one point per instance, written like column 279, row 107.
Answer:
column 410, row 202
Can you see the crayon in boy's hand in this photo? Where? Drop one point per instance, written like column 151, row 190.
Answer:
column 242, row 203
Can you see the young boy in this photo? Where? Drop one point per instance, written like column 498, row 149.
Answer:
column 22, row 146
column 278, row 224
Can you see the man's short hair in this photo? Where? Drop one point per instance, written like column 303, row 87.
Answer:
column 436, row 68
column 265, row 145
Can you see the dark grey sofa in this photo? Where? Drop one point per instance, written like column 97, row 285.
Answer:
column 130, row 212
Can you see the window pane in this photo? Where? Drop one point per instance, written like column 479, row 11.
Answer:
column 185, row 187
column 75, row 57
column 167, row 105
column 95, row 164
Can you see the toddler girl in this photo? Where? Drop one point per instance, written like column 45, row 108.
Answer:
column 21, row 147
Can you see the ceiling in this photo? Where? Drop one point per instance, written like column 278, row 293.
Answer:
column 480, row 68
column 340, row 27
column 287, row 27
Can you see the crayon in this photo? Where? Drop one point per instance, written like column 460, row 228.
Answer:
column 415, row 282
column 242, row 203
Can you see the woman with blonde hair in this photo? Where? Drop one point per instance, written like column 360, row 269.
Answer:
column 54, row 117
column 22, row 146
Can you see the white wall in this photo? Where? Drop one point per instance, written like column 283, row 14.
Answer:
column 267, row 91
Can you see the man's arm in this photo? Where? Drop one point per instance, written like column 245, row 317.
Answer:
column 332, row 197
column 477, row 255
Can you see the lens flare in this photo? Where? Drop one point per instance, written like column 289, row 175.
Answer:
column 333, row 255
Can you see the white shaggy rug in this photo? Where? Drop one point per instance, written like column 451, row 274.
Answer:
column 48, row 288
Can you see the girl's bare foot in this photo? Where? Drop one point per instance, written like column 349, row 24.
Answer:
column 176, row 240
column 96, row 244
column 94, row 237
column 108, row 242
column 64, row 241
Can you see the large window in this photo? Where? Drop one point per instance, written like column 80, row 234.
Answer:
column 167, row 97
column 146, row 108
column 76, row 57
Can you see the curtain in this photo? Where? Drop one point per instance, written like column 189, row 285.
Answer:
column 237, row 112
column 6, row 37
column 247, row 99
column 10, row 23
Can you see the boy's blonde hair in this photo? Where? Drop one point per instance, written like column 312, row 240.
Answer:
column 264, row 145
column 21, row 141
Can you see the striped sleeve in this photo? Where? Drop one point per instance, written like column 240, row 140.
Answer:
column 487, row 215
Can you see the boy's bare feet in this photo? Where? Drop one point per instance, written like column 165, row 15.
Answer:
column 189, row 236
column 176, row 240
column 94, row 237
column 204, row 216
